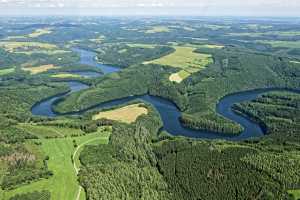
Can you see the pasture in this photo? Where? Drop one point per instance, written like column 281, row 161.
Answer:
column 6, row 71
column 63, row 184
column 39, row 32
column 185, row 59
column 127, row 114
column 158, row 29
column 13, row 46
column 179, row 76
column 65, row 75
column 39, row 69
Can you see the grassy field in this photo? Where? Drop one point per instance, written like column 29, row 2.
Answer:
column 63, row 184
column 149, row 46
column 127, row 114
column 12, row 46
column 65, row 75
column 179, row 76
column 6, row 71
column 39, row 69
column 295, row 194
column 158, row 29
column 295, row 62
column 185, row 59
column 40, row 32
column 49, row 131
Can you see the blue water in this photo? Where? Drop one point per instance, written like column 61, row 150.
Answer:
column 168, row 111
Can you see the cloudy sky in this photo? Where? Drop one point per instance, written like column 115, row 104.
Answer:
column 152, row 7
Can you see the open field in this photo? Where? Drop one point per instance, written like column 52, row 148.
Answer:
column 40, row 69
column 294, row 193
column 186, row 59
column 126, row 114
column 63, row 184
column 150, row 46
column 179, row 76
column 6, row 71
column 158, row 29
column 65, row 75
column 49, row 131
column 12, row 46
column 40, row 32
column 295, row 62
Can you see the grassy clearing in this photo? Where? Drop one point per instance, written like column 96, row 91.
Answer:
column 186, row 59
column 295, row 62
column 12, row 46
column 50, row 131
column 63, row 184
column 127, row 114
column 40, row 32
column 6, row 71
column 40, row 69
column 158, row 29
column 284, row 44
column 149, row 46
column 294, row 193
column 65, row 75
column 179, row 76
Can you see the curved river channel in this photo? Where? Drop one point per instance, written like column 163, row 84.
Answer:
column 168, row 111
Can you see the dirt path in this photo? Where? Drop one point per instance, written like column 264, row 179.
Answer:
column 76, row 168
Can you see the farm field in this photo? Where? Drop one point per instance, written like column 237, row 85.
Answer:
column 65, row 75
column 286, row 44
column 186, row 59
column 157, row 29
column 127, row 114
column 63, row 184
column 40, row 69
column 6, row 71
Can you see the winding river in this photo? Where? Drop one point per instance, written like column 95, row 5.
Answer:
column 168, row 111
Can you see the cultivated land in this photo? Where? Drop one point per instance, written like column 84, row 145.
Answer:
column 127, row 114
column 157, row 29
column 40, row 32
column 286, row 44
column 40, row 69
column 186, row 59
column 63, row 184
column 6, row 71
column 65, row 75
column 12, row 46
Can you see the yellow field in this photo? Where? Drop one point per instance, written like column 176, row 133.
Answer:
column 39, row 32
column 158, row 29
column 179, row 76
column 127, row 114
column 186, row 59
column 12, row 46
column 65, row 75
column 40, row 69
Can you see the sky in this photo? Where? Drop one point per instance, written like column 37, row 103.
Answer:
column 152, row 7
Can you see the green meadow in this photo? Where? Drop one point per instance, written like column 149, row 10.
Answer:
column 63, row 184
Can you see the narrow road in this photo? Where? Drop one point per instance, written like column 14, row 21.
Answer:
column 76, row 168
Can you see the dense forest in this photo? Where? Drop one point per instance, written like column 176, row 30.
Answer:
column 76, row 155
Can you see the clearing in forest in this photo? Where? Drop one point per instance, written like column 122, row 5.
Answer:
column 63, row 184
column 40, row 69
column 158, row 29
column 127, row 114
column 185, row 59
column 6, row 71
column 65, row 75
